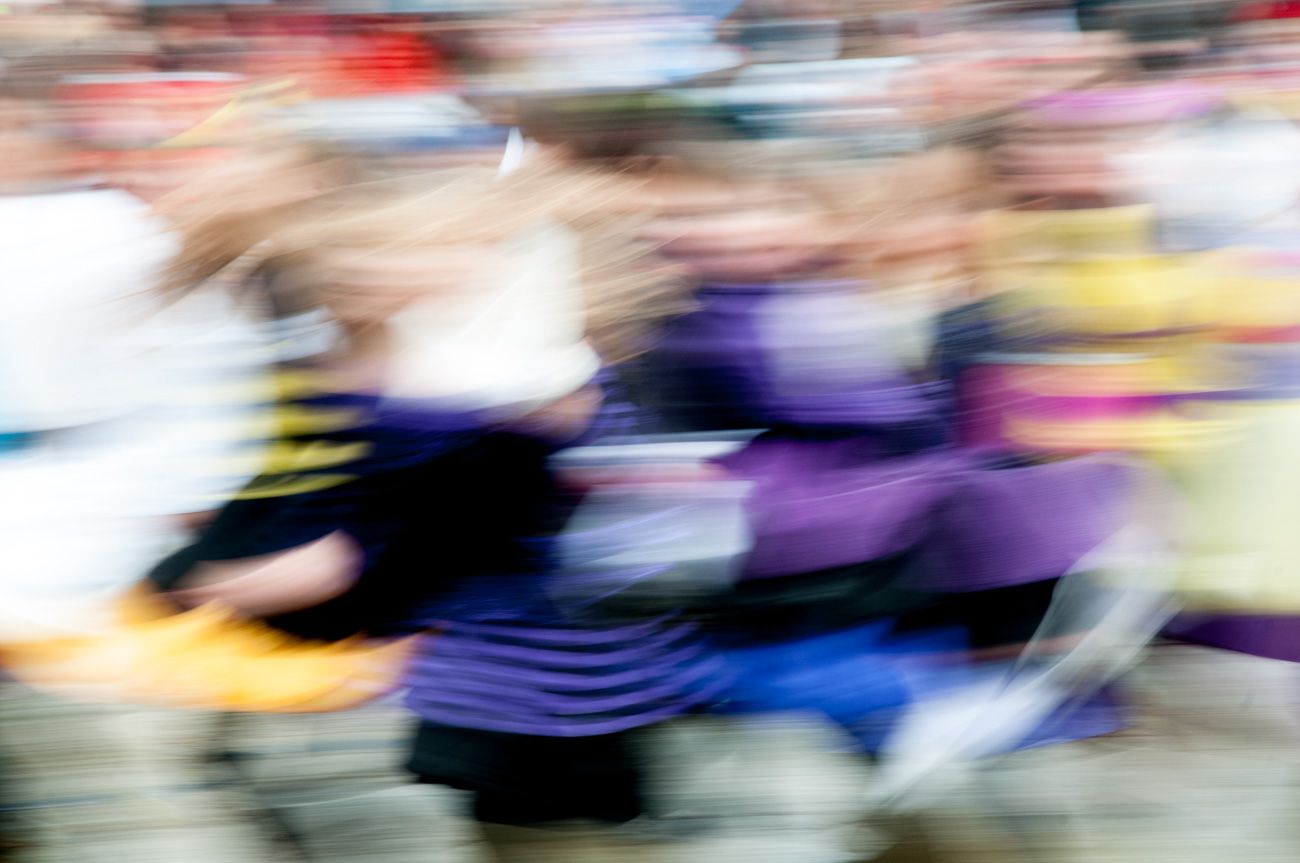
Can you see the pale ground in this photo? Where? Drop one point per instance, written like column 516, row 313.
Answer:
column 1208, row 774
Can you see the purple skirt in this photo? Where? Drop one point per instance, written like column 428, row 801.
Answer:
column 821, row 504
column 1272, row 636
column 556, row 680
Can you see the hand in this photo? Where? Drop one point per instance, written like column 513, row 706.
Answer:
column 278, row 583
column 193, row 522
column 565, row 418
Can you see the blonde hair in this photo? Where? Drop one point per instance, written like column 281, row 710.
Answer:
column 227, row 213
column 627, row 290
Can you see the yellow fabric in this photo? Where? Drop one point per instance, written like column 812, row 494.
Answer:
column 297, row 420
column 288, row 384
column 1236, row 466
column 208, row 658
column 1162, row 434
column 276, row 486
column 1023, row 236
column 1161, row 374
column 210, row 129
column 1103, row 296
column 1285, row 102
column 228, row 120
column 285, row 457
column 283, row 466
column 1236, row 463
column 1242, row 499
column 1120, row 294
column 1250, row 298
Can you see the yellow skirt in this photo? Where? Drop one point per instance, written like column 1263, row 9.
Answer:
column 1242, row 505
column 207, row 658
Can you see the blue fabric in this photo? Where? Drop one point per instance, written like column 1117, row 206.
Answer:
column 849, row 676
column 14, row 442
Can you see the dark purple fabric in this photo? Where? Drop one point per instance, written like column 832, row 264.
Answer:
column 507, row 659
column 818, row 504
column 457, row 517
column 562, row 681
column 1274, row 636
column 997, row 528
column 856, row 464
column 717, row 370
column 704, row 371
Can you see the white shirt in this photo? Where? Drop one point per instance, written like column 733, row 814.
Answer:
column 143, row 396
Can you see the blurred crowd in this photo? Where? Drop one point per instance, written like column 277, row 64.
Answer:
column 532, row 430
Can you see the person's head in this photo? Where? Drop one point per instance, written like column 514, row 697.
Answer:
column 371, row 249
column 225, row 207
column 726, row 229
column 451, row 242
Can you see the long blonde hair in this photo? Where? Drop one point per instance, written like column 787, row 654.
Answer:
column 627, row 290
column 228, row 213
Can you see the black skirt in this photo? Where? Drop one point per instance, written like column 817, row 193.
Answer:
column 525, row 780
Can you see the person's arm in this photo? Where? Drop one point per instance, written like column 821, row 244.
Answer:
column 267, row 585
column 266, row 556
column 563, row 420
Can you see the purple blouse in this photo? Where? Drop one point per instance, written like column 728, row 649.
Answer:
column 857, row 463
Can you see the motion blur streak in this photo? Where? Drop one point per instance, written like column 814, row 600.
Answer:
column 803, row 431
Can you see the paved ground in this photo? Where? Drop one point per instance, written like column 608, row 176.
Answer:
column 1208, row 774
